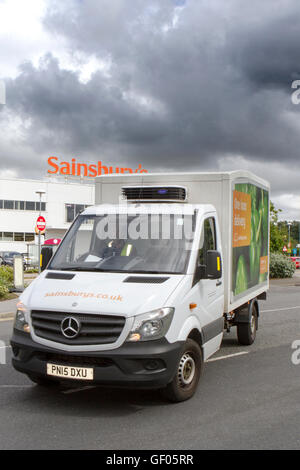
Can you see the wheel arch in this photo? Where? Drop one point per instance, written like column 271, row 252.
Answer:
column 243, row 314
column 191, row 329
column 196, row 335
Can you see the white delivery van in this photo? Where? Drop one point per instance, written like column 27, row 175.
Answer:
column 144, row 284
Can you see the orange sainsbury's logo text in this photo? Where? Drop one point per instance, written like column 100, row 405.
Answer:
column 83, row 169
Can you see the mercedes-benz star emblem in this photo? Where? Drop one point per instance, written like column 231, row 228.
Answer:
column 70, row 327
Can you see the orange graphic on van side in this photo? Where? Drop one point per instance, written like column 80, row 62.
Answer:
column 263, row 264
column 241, row 226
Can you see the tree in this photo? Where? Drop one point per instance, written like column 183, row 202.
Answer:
column 294, row 231
column 278, row 237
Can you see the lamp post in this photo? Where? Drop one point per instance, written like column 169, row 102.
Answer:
column 289, row 227
column 40, row 193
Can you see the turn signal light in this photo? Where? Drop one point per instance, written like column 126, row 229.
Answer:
column 135, row 337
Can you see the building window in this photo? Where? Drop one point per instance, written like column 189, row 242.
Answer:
column 18, row 237
column 22, row 205
column 8, row 204
column 72, row 210
column 19, row 205
column 7, row 237
column 30, row 205
column 29, row 237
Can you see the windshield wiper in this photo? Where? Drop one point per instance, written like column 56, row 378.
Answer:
column 91, row 269
column 101, row 270
column 151, row 272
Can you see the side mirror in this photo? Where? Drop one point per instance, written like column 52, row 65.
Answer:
column 214, row 265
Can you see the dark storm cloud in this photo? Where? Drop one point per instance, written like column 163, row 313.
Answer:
column 187, row 85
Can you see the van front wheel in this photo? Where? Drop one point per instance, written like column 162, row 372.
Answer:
column 185, row 381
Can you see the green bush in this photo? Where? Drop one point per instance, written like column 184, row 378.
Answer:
column 31, row 270
column 7, row 274
column 3, row 291
column 6, row 280
column 281, row 266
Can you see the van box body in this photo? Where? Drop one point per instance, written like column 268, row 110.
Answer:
column 202, row 188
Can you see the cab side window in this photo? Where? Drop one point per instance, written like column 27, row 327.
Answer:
column 207, row 240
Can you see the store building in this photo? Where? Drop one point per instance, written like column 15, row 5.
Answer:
column 19, row 208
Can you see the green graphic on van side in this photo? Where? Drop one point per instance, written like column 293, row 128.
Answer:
column 250, row 237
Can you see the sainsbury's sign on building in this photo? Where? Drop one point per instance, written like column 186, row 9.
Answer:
column 75, row 168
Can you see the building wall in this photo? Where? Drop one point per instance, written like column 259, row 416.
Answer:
column 57, row 195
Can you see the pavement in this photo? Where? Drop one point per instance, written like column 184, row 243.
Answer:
column 8, row 307
column 248, row 398
column 293, row 281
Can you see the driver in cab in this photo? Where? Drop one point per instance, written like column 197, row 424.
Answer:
column 118, row 247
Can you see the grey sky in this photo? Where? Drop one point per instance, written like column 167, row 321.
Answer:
column 173, row 85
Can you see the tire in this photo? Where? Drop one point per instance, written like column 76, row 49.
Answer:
column 42, row 382
column 189, row 369
column 246, row 332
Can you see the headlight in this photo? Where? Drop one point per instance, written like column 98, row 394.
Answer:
column 151, row 325
column 21, row 323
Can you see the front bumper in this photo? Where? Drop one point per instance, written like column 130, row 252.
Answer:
column 149, row 364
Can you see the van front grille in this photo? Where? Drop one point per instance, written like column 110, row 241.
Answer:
column 92, row 329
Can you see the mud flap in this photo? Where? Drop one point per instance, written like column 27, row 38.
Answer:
column 244, row 314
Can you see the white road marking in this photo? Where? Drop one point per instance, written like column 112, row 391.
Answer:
column 80, row 389
column 281, row 309
column 227, row 357
column 15, row 386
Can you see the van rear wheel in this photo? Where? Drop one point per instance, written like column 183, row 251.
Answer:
column 185, row 381
column 246, row 332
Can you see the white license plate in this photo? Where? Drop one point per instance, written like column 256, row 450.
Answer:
column 70, row 372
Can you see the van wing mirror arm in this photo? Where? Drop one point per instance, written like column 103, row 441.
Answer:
column 200, row 272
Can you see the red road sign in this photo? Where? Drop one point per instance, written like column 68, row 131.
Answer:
column 284, row 249
column 41, row 223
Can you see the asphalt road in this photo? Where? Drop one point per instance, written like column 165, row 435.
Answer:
column 247, row 401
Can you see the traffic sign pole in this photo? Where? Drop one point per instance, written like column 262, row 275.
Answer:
column 41, row 226
column 39, row 221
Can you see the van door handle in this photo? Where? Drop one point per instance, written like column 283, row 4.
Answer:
column 218, row 283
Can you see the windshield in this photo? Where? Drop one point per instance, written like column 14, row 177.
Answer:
column 124, row 243
column 10, row 254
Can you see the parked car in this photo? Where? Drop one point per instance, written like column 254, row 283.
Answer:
column 7, row 258
column 296, row 260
